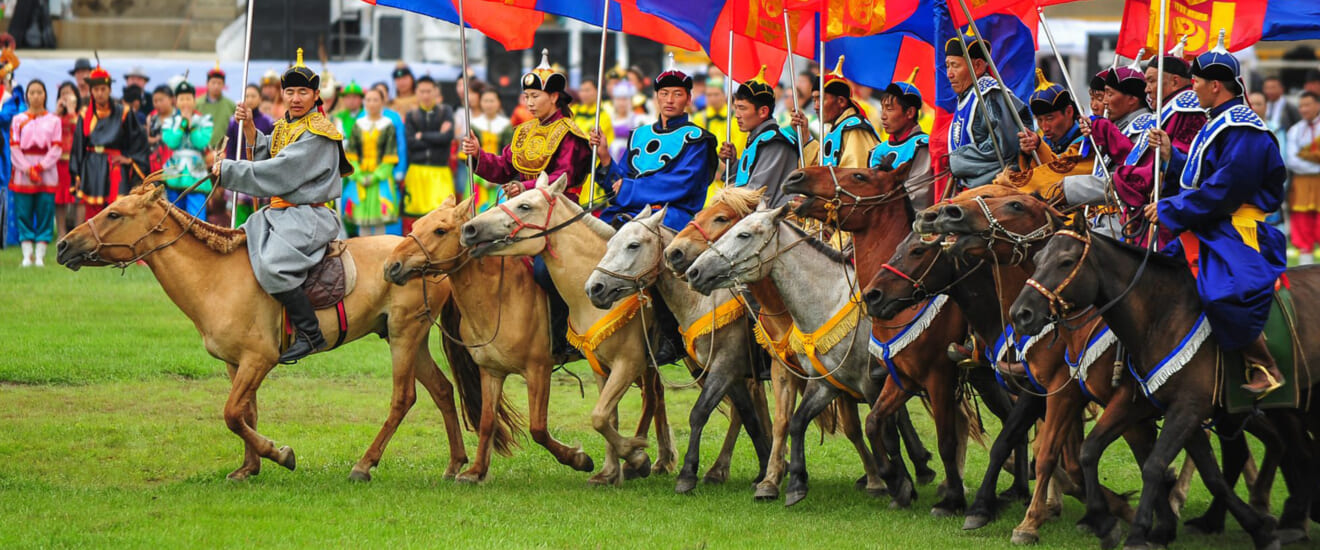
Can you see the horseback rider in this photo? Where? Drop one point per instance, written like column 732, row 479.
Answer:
column 1127, row 116
column 900, row 116
column 973, row 159
column 552, row 143
column 771, row 152
column 1230, row 178
column 850, row 138
column 668, row 163
column 299, row 166
column 1056, row 118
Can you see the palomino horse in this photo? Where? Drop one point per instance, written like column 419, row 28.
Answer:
column 873, row 205
column 1013, row 229
column 1161, row 324
column 571, row 242
column 505, row 324
column 773, row 326
column 241, row 325
column 829, row 327
column 1057, row 390
column 714, row 329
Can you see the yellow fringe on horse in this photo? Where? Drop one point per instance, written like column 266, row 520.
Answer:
column 587, row 342
column 835, row 330
column 724, row 314
column 779, row 349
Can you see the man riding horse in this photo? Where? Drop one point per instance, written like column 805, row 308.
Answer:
column 1231, row 177
column 299, row 166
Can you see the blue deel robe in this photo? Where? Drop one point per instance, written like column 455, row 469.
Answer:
column 11, row 108
column 664, row 166
column 1240, row 165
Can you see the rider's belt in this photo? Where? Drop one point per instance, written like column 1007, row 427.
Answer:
column 101, row 149
column 280, row 204
column 1244, row 221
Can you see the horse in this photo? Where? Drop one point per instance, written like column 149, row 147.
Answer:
column 1059, row 386
column 505, row 326
column 714, row 329
column 571, row 243
column 1069, row 272
column 773, row 326
column 240, row 323
column 1014, row 229
column 829, row 327
column 873, row 205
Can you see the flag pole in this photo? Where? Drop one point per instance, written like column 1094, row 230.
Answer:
column 238, row 149
column 994, row 70
column 980, row 101
column 600, row 89
column 728, row 107
column 467, row 95
column 1152, row 237
column 792, row 69
column 1067, row 79
column 820, row 97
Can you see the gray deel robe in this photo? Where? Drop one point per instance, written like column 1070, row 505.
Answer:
column 774, row 162
column 977, row 164
column 283, row 244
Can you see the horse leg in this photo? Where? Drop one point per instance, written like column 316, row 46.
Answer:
column 1061, row 415
column 1234, row 452
column 884, row 436
column 949, row 417
column 442, row 393
column 816, row 399
column 1285, row 426
column 649, row 400
column 985, row 507
column 241, row 405
column 851, row 424
column 492, row 390
column 251, row 460
column 538, row 404
column 402, row 398
column 719, row 470
column 603, row 418
column 999, row 404
column 1261, row 528
column 712, row 392
column 666, row 460
column 785, row 390
column 745, row 407
column 610, row 471
column 1118, row 415
column 916, row 448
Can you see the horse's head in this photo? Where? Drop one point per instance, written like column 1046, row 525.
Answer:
column 632, row 260
column 918, row 270
column 433, row 245
column 926, row 219
column 1064, row 279
column 121, row 233
column 739, row 256
column 517, row 226
column 726, row 208
column 841, row 194
column 997, row 228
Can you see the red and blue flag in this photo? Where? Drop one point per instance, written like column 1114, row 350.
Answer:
column 1243, row 22
column 513, row 27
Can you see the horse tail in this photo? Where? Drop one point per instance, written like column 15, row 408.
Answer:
column 828, row 419
column 975, row 430
column 467, row 379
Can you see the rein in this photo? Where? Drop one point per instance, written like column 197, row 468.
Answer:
column 428, row 314
column 95, row 254
column 1020, row 241
column 543, row 229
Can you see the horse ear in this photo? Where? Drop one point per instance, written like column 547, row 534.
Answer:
column 462, row 209
column 543, row 180
column 448, row 202
column 779, row 214
column 658, row 217
column 901, row 171
column 758, row 193
column 643, row 214
column 559, row 185
column 156, row 192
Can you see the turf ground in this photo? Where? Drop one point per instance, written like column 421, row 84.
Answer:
column 111, row 436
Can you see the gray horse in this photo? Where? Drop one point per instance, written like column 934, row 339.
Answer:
column 715, row 330
column 830, row 338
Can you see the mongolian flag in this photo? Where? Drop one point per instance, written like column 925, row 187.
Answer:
column 1244, row 23
column 907, row 42
column 625, row 17
column 710, row 22
column 512, row 27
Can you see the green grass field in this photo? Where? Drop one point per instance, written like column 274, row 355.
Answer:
column 111, row 436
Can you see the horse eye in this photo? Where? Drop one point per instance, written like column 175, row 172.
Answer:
column 1065, row 264
column 859, row 177
column 113, row 215
column 744, row 235
column 524, row 207
column 721, row 219
column 634, row 245
column 1015, row 206
column 440, row 232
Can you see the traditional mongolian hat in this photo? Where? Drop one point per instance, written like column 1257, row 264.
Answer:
column 271, row 78
column 976, row 49
column 184, row 87
column 757, row 91
column 216, row 72
column 672, row 77
column 906, row 92
column 353, row 88
column 1098, row 81
column 401, row 70
column 300, row 76
column 99, row 76
column 1218, row 64
column 1049, row 97
column 836, row 83
column 544, row 77
column 1130, row 80
column 1174, row 61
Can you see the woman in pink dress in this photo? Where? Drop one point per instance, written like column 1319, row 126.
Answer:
column 35, row 146
column 66, row 205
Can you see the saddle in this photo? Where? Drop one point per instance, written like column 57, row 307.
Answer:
column 334, row 278
column 1279, row 332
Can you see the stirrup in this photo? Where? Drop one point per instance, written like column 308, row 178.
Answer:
column 1274, row 383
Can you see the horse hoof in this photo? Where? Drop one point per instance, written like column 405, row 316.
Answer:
column 860, row 484
column 359, row 475
column 716, row 476
column 766, row 493
column 661, row 468
column 794, row 497
column 975, row 522
column 632, row 470
column 239, row 475
column 685, row 485
column 602, row 479
column 941, row 512
column 877, row 492
column 468, row 478
column 1025, row 537
column 1110, row 540
column 583, row 462
column 1291, row 536
column 925, row 477
column 287, row 458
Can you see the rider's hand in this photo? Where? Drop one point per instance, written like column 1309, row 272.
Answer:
column 727, row 151
column 799, row 121
column 1160, row 139
column 512, row 189
column 471, row 146
column 1084, row 126
column 602, row 150
column 1028, row 141
column 1152, row 212
column 243, row 115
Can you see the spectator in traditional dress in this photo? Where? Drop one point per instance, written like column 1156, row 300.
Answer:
column 35, row 144
column 67, row 209
column 371, row 199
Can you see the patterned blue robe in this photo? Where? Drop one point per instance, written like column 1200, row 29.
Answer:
column 1233, row 163
column 664, row 165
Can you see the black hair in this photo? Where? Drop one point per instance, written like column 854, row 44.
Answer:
column 252, row 87
column 886, row 97
column 425, row 79
column 757, row 101
column 1314, row 96
column 163, row 89
column 60, row 93
column 38, row 82
column 1313, row 75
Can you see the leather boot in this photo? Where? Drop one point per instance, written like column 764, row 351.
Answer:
column 307, row 338
column 966, row 355
column 1262, row 374
column 667, row 344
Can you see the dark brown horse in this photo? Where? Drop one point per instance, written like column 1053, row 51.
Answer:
column 872, row 204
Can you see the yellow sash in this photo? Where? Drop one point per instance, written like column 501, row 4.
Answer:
column 779, row 349
column 587, row 342
column 724, row 314
column 835, row 330
column 1244, row 221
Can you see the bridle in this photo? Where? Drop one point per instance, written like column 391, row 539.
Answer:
column 1060, row 306
column 95, row 254
column 834, row 203
column 647, row 277
column 920, row 291
column 735, row 267
column 543, row 229
column 1020, row 241
column 429, row 268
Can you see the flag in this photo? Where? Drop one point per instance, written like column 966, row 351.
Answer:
column 624, row 17
column 1244, row 23
column 907, row 43
column 513, row 27
column 709, row 23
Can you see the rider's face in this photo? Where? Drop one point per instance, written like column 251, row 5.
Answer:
column 300, row 100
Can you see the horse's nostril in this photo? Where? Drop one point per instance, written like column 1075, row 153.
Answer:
column 61, row 246
column 694, row 274
column 930, row 215
column 469, row 231
column 1024, row 316
column 873, row 297
column 675, row 256
column 596, row 289
column 953, row 212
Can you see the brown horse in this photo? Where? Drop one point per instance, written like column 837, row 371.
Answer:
column 505, row 324
column 872, row 204
column 728, row 207
column 241, row 325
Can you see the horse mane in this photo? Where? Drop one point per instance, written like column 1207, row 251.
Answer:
column 743, row 201
column 835, row 255
column 220, row 239
column 1157, row 258
column 600, row 228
